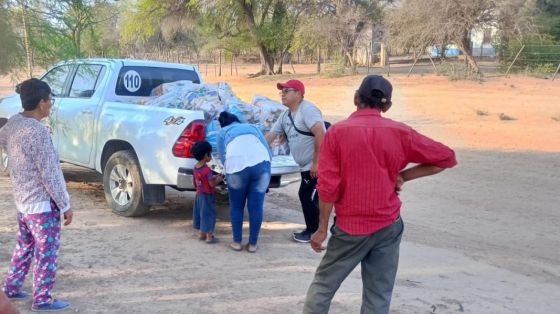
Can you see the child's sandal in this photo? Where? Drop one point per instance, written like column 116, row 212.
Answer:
column 212, row 240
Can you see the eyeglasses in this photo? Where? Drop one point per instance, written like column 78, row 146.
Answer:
column 52, row 100
column 287, row 90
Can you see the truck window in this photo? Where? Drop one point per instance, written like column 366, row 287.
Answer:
column 86, row 80
column 56, row 78
column 141, row 80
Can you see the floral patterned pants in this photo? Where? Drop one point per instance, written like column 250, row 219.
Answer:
column 38, row 238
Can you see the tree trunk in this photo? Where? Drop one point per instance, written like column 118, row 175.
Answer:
column 318, row 59
column 280, row 63
column 472, row 63
column 267, row 61
column 78, row 43
column 26, row 42
column 465, row 46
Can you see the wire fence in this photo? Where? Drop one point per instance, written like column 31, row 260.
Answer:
column 542, row 59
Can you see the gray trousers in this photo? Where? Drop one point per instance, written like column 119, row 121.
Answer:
column 378, row 254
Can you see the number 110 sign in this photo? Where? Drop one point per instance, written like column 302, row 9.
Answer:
column 132, row 81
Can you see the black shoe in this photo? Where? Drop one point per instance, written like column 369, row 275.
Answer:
column 302, row 237
column 298, row 232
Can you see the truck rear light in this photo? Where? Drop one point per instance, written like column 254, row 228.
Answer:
column 193, row 133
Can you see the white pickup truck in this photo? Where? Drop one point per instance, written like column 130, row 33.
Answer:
column 138, row 149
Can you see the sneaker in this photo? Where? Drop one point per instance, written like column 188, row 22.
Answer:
column 17, row 296
column 55, row 305
column 298, row 232
column 302, row 237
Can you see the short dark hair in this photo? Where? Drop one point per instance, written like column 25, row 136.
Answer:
column 31, row 92
column 227, row 118
column 374, row 101
column 201, row 149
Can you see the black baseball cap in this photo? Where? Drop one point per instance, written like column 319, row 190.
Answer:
column 376, row 87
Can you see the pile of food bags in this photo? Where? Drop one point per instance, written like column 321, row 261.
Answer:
column 214, row 98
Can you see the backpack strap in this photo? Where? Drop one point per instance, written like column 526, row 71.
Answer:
column 294, row 125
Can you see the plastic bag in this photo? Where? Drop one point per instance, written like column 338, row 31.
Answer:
column 270, row 111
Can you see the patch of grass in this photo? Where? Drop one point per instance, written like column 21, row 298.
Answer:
column 458, row 71
column 337, row 70
column 505, row 117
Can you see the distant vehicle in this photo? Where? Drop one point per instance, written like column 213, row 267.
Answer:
column 96, row 123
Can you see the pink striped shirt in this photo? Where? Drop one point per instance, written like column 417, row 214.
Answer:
column 359, row 161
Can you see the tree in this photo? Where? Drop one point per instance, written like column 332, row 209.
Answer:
column 163, row 25
column 414, row 26
column 72, row 18
column 102, row 38
column 312, row 36
column 548, row 17
column 272, row 25
column 348, row 20
column 11, row 51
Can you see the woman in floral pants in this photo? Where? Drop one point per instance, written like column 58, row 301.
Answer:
column 40, row 196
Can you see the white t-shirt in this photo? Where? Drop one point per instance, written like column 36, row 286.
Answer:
column 244, row 151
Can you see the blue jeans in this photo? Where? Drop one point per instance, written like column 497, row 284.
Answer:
column 248, row 186
column 204, row 214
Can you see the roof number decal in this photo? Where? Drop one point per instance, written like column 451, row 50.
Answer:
column 132, row 81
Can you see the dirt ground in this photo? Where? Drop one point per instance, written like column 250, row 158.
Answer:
column 480, row 238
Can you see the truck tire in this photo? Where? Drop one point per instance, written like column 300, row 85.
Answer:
column 122, row 184
column 4, row 163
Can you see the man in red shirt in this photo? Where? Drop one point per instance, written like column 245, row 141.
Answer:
column 361, row 171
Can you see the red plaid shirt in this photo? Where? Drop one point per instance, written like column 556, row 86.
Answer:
column 359, row 161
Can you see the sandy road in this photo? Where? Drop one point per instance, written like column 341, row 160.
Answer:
column 481, row 238
column 472, row 244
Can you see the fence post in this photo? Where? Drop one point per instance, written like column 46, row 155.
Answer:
column 556, row 73
column 383, row 55
column 514, row 59
column 412, row 67
column 368, row 56
column 433, row 64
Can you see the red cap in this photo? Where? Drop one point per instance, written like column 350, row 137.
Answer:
column 295, row 84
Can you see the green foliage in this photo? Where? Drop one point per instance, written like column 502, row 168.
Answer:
column 220, row 27
column 11, row 52
column 549, row 24
column 140, row 20
column 540, row 54
column 101, row 39
column 276, row 34
column 48, row 43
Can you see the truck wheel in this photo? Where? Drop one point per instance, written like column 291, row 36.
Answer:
column 122, row 183
column 4, row 164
